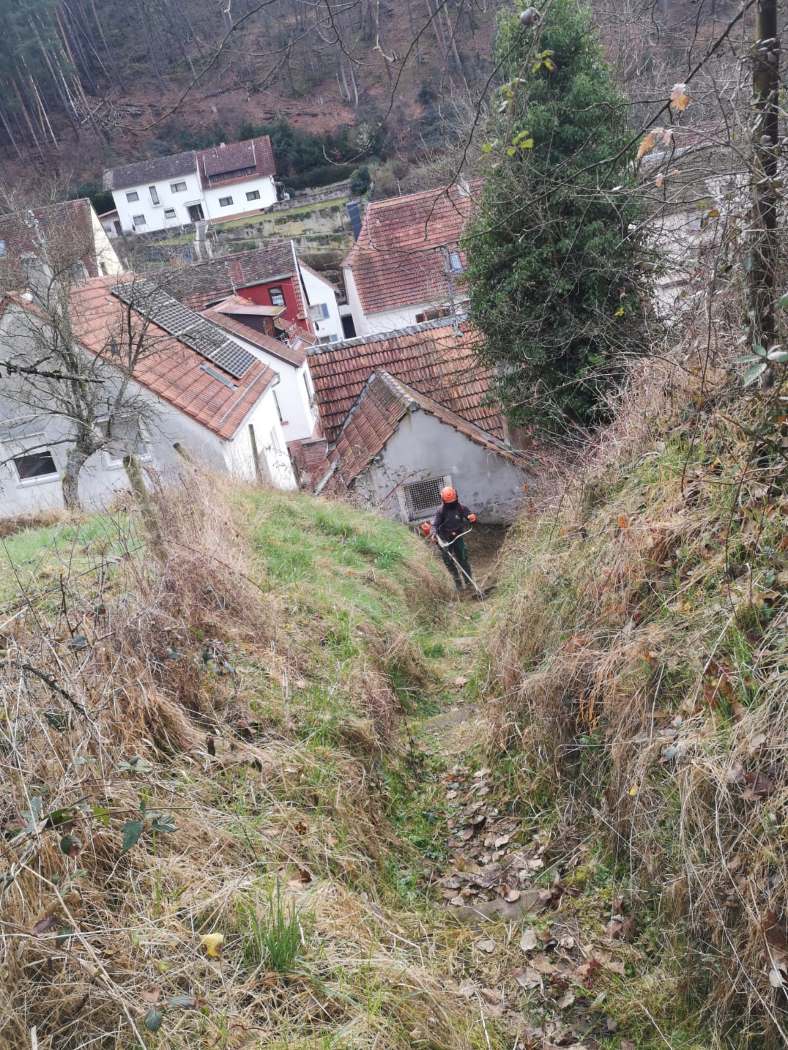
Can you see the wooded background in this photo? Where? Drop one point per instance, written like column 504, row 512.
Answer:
column 121, row 80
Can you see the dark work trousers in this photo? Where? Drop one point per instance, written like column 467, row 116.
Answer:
column 460, row 554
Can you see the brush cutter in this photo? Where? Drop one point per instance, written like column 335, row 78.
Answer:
column 446, row 545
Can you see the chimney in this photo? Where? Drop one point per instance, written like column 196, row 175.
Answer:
column 463, row 187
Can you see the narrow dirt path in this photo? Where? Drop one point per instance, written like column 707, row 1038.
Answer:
column 530, row 962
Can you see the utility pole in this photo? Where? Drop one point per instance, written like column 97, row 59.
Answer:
column 763, row 175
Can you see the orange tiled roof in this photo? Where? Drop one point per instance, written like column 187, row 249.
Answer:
column 437, row 359
column 369, row 425
column 378, row 412
column 171, row 370
column 397, row 260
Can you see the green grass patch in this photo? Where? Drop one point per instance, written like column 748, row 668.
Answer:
column 33, row 560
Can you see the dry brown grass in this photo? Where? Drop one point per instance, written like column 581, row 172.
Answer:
column 164, row 687
column 639, row 669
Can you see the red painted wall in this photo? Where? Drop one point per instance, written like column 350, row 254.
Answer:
column 259, row 294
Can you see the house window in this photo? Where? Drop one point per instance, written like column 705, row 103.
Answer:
column 169, row 213
column 277, row 297
column 133, row 196
column 2, row 249
column 177, row 187
column 154, row 194
column 35, row 466
column 455, row 262
column 138, row 220
column 278, row 407
column 225, row 202
column 424, row 497
column 253, row 195
column 318, row 312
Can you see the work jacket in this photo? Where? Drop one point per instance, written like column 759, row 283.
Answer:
column 450, row 521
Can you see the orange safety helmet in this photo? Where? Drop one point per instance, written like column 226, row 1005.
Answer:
column 448, row 495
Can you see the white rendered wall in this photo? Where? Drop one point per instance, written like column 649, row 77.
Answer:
column 295, row 401
column 154, row 213
column 193, row 194
column 106, row 256
column 385, row 320
column 423, row 447
column 277, row 467
column 102, row 476
column 319, row 290
column 238, row 191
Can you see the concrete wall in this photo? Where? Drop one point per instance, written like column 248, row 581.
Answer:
column 318, row 290
column 423, row 447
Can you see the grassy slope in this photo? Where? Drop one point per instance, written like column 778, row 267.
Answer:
column 244, row 694
column 637, row 676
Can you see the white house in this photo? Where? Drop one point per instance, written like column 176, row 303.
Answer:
column 249, row 324
column 321, row 296
column 398, row 448
column 407, row 265
column 195, row 392
column 223, row 182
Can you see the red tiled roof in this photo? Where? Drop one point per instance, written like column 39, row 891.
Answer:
column 397, row 260
column 202, row 284
column 310, row 458
column 437, row 359
column 277, row 347
column 234, row 161
column 66, row 230
column 369, row 425
column 378, row 412
column 171, row 370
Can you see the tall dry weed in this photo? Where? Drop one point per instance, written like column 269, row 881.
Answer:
column 639, row 668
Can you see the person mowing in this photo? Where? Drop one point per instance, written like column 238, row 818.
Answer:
column 449, row 524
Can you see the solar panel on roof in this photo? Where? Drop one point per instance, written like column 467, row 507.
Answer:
column 187, row 326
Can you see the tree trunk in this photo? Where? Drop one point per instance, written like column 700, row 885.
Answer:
column 764, row 171
column 77, row 456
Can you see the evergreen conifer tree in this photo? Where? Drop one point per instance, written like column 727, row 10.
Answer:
column 554, row 263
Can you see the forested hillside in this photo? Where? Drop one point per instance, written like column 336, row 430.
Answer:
column 150, row 77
